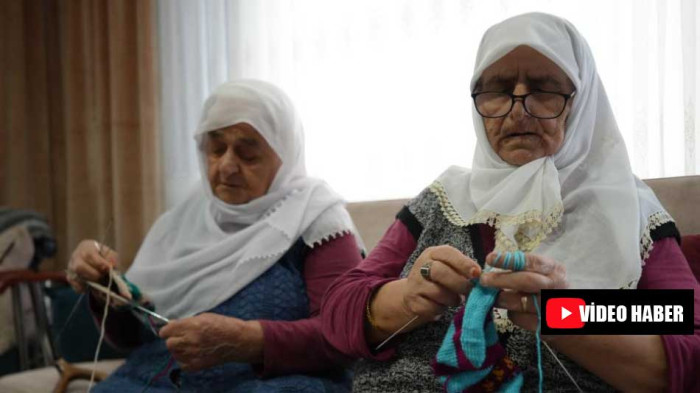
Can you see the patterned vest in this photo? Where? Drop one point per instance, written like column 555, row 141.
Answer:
column 278, row 294
column 410, row 371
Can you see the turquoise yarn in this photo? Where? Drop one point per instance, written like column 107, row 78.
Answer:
column 472, row 335
column 519, row 263
column 538, row 338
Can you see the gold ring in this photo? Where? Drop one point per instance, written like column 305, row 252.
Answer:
column 523, row 302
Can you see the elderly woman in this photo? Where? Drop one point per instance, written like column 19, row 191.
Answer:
column 240, row 266
column 550, row 178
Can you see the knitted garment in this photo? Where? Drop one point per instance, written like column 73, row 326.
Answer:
column 471, row 358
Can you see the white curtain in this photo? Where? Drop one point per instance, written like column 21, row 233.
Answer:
column 383, row 86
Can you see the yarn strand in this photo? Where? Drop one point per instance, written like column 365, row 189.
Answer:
column 102, row 332
column 538, row 338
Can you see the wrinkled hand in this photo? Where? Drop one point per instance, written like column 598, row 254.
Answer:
column 207, row 340
column 450, row 275
column 540, row 273
column 86, row 263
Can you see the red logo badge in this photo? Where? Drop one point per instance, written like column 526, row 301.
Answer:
column 564, row 313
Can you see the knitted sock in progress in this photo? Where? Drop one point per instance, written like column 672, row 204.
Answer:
column 471, row 359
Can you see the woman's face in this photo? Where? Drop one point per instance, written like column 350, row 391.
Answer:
column 241, row 165
column 518, row 137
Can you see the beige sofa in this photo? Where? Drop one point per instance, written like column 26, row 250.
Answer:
column 680, row 196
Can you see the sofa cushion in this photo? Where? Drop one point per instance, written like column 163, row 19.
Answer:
column 373, row 218
column 681, row 197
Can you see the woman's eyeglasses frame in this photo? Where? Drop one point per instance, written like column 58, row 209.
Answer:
column 523, row 98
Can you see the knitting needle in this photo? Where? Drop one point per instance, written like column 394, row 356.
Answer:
column 399, row 331
column 104, row 313
column 126, row 301
column 562, row 366
column 396, row 332
column 70, row 316
column 104, row 238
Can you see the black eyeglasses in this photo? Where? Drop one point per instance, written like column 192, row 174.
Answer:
column 539, row 104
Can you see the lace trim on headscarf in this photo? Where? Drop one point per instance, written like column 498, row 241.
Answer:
column 655, row 220
column 533, row 221
column 272, row 210
column 312, row 243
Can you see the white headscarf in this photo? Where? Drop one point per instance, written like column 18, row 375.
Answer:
column 188, row 263
column 582, row 206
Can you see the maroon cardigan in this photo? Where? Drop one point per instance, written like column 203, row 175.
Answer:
column 345, row 302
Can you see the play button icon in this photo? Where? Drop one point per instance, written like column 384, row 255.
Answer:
column 563, row 313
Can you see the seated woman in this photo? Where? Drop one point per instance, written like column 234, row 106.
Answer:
column 550, row 178
column 240, row 266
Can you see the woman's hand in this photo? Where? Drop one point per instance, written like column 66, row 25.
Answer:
column 448, row 283
column 86, row 264
column 207, row 340
column 519, row 287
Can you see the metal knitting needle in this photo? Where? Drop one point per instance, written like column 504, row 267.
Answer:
column 562, row 366
column 104, row 238
column 126, row 301
column 396, row 332
column 70, row 317
column 401, row 329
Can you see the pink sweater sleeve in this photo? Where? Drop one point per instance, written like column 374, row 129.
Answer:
column 299, row 346
column 667, row 268
column 346, row 299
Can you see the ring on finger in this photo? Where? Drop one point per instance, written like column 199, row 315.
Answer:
column 72, row 275
column 425, row 270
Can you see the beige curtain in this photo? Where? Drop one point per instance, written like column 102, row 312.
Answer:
column 78, row 111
